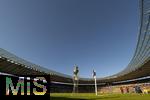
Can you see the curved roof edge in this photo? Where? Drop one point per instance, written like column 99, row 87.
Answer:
column 18, row 60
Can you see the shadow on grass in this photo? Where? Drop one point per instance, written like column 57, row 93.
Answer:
column 105, row 98
column 95, row 98
column 65, row 98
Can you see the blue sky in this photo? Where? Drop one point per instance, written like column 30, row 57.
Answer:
column 57, row 34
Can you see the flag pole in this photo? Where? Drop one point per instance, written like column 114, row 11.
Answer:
column 95, row 86
column 94, row 76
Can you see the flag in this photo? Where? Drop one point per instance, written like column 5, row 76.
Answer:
column 94, row 74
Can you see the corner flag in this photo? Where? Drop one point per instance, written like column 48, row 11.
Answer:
column 94, row 76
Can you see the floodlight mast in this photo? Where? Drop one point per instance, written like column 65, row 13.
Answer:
column 75, row 79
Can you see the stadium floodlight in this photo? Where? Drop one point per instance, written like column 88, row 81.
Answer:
column 21, row 77
column 16, row 63
column 8, row 60
column 12, row 61
column 28, row 67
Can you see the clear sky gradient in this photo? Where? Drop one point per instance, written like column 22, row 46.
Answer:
column 56, row 34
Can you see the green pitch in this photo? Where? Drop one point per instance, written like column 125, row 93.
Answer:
column 89, row 96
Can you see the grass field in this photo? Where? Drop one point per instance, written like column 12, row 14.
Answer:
column 89, row 96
